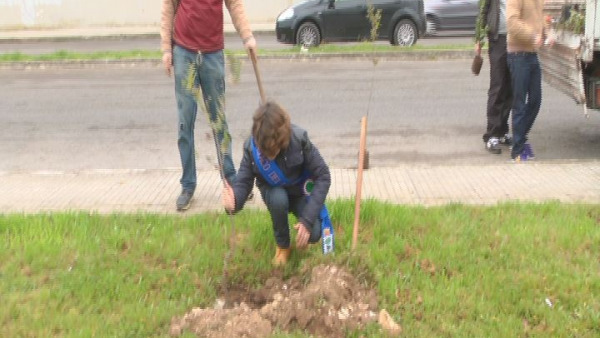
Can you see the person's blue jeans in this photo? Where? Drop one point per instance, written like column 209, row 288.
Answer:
column 280, row 204
column 526, row 77
column 200, row 79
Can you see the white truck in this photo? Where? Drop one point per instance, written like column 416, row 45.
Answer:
column 572, row 63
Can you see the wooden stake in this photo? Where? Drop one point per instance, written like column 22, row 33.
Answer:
column 254, row 59
column 361, row 159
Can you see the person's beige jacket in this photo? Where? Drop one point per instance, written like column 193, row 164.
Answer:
column 525, row 20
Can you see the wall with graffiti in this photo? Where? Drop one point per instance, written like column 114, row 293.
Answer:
column 26, row 14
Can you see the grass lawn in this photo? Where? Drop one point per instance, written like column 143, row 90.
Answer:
column 474, row 271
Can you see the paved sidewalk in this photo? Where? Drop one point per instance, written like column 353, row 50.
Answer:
column 107, row 191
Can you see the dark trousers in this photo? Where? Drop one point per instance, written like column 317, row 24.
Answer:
column 527, row 85
column 500, row 92
column 280, row 204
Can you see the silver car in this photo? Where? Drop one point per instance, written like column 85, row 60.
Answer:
column 451, row 15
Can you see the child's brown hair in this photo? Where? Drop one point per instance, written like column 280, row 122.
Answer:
column 271, row 128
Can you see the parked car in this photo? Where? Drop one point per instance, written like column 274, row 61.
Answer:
column 451, row 15
column 312, row 22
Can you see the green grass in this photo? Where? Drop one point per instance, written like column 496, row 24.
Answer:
column 455, row 270
column 364, row 47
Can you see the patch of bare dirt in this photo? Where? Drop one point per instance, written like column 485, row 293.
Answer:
column 328, row 305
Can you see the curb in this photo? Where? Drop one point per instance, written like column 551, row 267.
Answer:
column 78, row 64
column 426, row 55
column 106, row 32
column 113, row 36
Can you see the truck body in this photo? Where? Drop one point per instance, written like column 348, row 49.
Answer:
column 572, row 63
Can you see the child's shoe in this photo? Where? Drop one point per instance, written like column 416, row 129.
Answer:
column 281, row 256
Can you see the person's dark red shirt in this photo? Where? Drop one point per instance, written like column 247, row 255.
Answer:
column 199, row 25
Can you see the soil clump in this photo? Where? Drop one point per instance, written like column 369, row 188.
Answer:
column 330, row 303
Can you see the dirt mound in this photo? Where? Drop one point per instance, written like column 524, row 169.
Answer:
column 332, row 303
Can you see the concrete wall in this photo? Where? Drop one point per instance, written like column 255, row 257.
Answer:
column 35, row 14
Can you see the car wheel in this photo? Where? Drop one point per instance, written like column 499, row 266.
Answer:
column 308, row 35
column 405, row 33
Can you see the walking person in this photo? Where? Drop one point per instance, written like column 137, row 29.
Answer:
column 192, row 42
column 285, row 165
column 499, row 103
column 526, row 34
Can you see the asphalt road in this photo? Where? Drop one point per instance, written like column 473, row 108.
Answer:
column 123, row 117
column 265, row 40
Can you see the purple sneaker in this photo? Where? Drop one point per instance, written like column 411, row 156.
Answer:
column 528, row 150
column 522, row 157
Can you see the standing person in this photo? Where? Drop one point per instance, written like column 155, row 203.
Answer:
column 493, row 16
column 192, row 42
column 284, row 163
column 526, row 34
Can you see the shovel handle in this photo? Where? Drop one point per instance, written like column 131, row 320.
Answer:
column 254, row 59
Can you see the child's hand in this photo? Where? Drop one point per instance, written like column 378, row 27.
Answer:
column 302, row 237
column 228, row 198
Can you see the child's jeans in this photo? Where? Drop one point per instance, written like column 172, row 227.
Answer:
column 280, row 204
